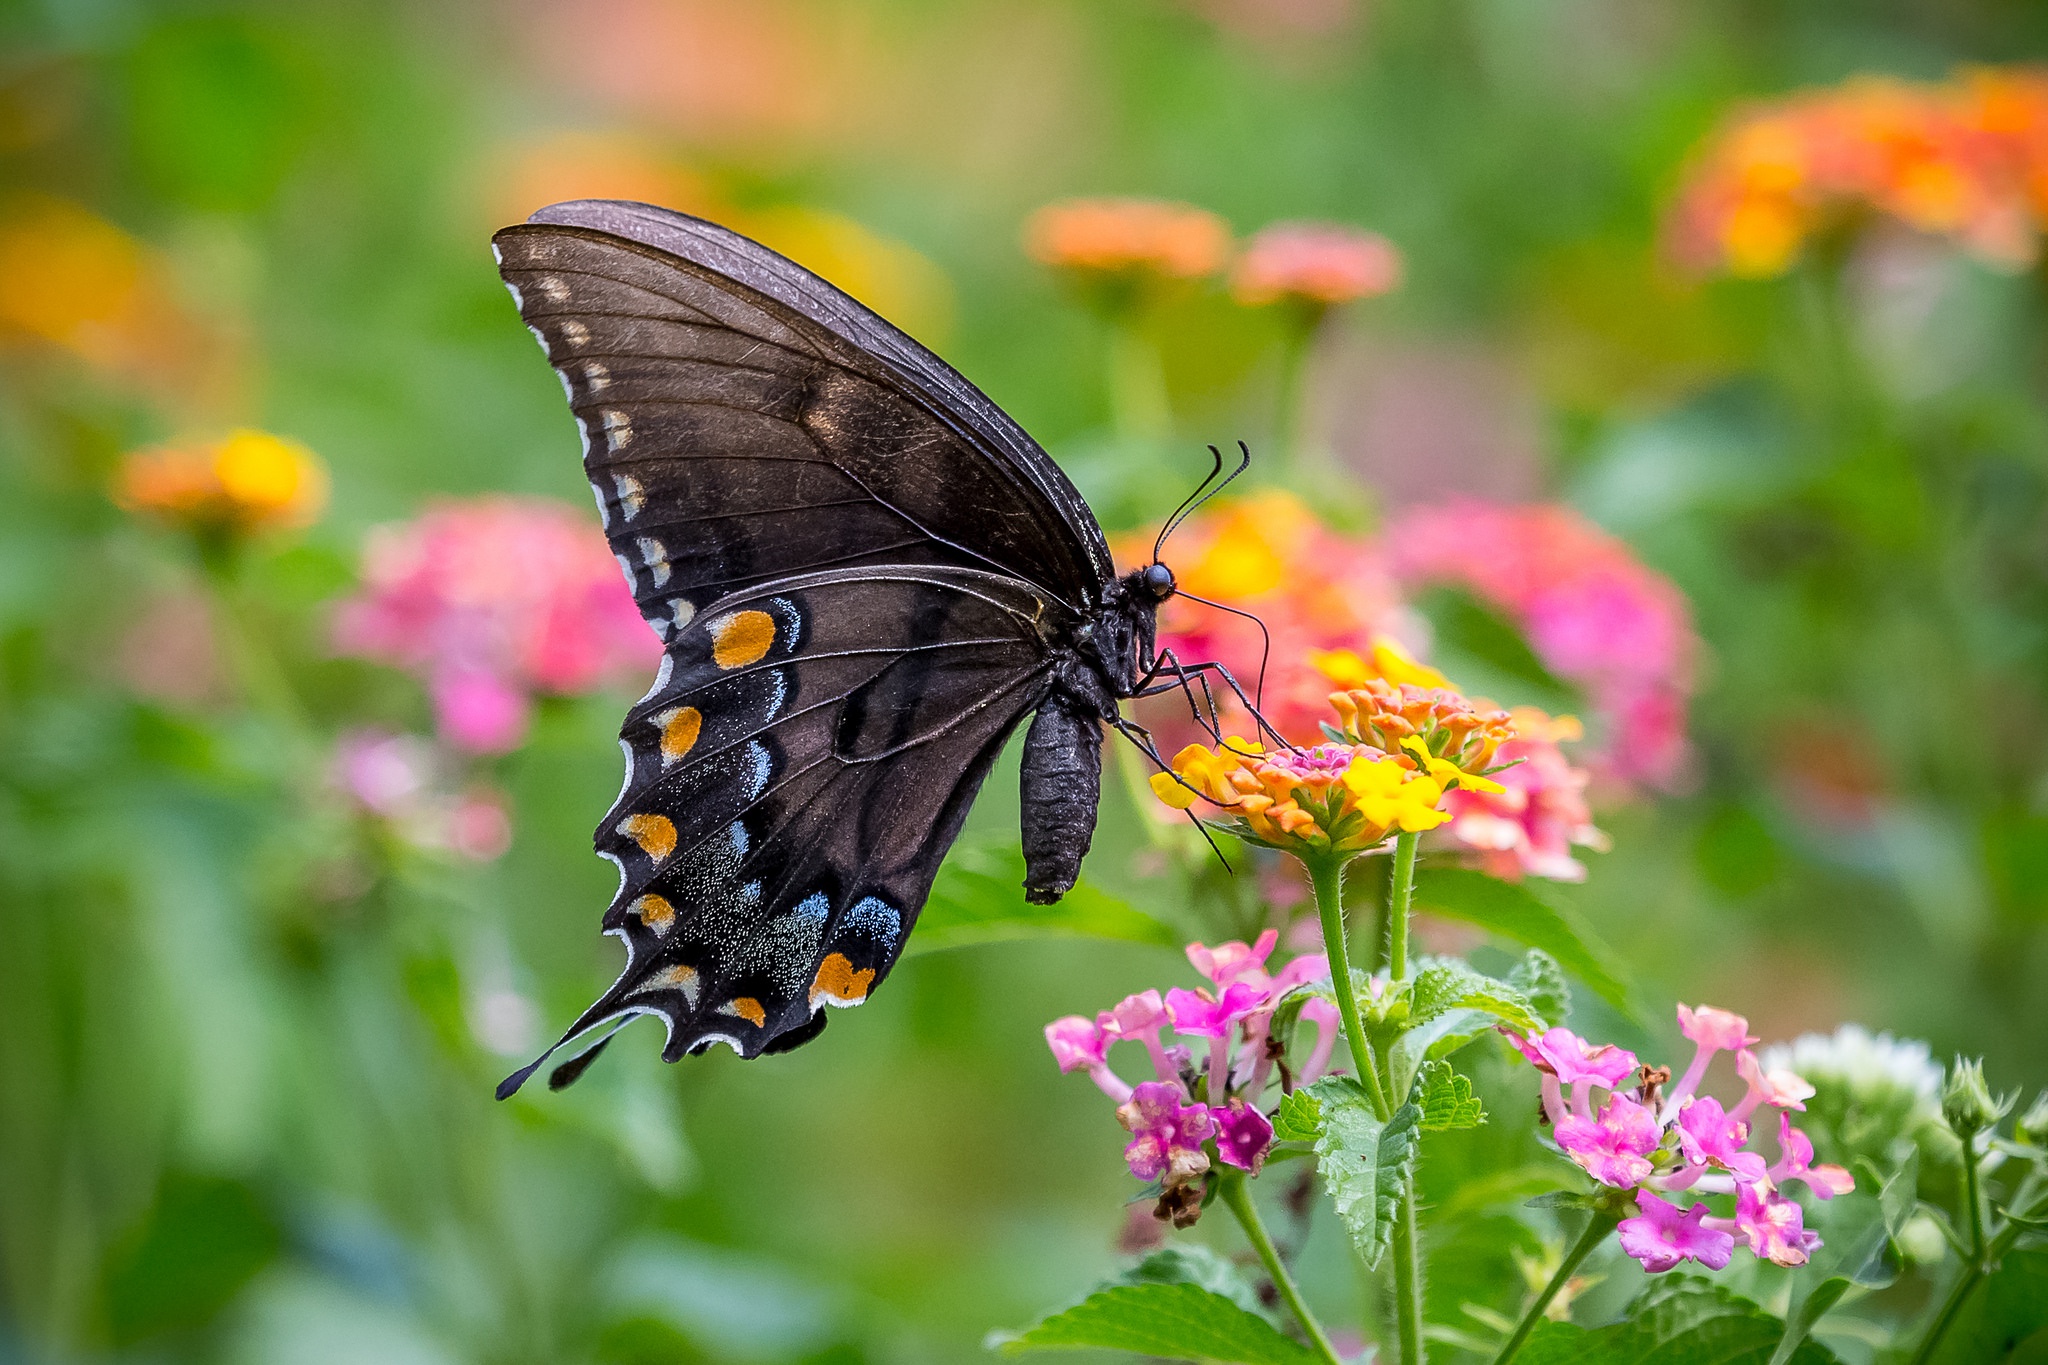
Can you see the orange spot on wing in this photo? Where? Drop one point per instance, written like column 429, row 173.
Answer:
column 741, row 638
column 838, row 980
column 675, row 978
column 655, row 912
column 679, row 730
column 656, row 834
column 749, row 1009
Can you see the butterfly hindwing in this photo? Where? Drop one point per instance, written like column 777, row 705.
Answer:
column 794, row 779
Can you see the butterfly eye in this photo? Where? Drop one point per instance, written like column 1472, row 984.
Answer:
column 1159, row 581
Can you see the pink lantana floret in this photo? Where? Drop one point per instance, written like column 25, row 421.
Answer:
column 1228, row 962
column 1242, row 1135
column 1780, row 1089
column 1710, row 1137
column 1572, row 1059
column 1200, row 1015
column 1715, row 1030
column 1080, row 1044
column 1615, row 1147
column 1773, row 1226
column 1796, row 1163
column 1661, row 1236
column 1166, row 1135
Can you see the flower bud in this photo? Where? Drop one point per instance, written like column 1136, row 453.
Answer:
column 1966, row 1101
column 2033, row 1125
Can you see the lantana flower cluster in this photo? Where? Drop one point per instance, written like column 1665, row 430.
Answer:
column 1213, row 1059
column 245, row 482
column 492, row 601
column 1965, row 159
column 1677, row 1141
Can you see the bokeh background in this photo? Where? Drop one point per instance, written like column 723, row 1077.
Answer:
column 250, row 1018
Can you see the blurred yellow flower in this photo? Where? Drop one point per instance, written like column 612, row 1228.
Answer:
column 251, row 481
column 1389, row 662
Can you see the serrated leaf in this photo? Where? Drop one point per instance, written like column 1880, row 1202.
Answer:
column 1541, row 982
column 1364, row 1163
column 1678, row 1320
column 1170, row 1321
column 1299, row 1118
column 1522, row 912
column 1443, row 984
column 1195, row 1264
column 1446, row 1099
column 979, row 898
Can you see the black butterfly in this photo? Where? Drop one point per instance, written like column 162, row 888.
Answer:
column 865, row 575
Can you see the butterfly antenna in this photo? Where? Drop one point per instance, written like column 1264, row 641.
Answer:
column 1189, row 503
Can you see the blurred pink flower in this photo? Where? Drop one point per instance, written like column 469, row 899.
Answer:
column 1320, row 264
column 1594, row 614
column 1530, row 827
column 491, row 601
column 399, row 779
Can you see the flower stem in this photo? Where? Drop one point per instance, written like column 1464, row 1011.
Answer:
column 1137, row 385
column 1326, row 876
column 1598, row 1225
column 1237, row 1197
column 1399, row 895
column 1979, row 1266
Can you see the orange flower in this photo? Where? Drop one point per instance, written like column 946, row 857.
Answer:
column 1128, row 237
column 1332, row 798
column 251, row 481
column 1438, row 727
column 1321, row 264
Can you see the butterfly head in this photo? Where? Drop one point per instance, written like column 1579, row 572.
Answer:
column 1155, row 582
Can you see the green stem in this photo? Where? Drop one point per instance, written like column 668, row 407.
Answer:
column 1407, row 1253
column 1974, row 1272
column 1237, row 1197
column 1973, row 1196
column 1598, row 1225
column 1326, row 876
column 1400, row 893
column 1290, row 418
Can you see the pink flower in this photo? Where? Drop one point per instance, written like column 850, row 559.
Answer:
column 1307, row 967
column 1139, row 1018
column 480, row 825
column 1661, row 1236
column 1230, row 962
column 386, row 774
column 1711, row 1031
column 1318, row 263
column 1200, row 1015
column 1572, row 1059
column 1710, row 1137
column 1773, row 1226
column 1529, row 828
column 1166, row 1135
column 1324, row 1015
column 1615, row 1147
column 1795, row 1162
column 1242, row 1135
column 1078, row 1044
column 490, row 601
column 1780, row 1089
column 1592, row 611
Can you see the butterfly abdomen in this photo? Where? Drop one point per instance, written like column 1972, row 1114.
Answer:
column 1061, row 785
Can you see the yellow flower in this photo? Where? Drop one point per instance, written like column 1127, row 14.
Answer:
column 1389, row 663
column 1331, row 798
column 1447, row 774
column 251, row 481
column 1390, row 796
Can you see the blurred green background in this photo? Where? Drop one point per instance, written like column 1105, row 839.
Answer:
column 245, row 1107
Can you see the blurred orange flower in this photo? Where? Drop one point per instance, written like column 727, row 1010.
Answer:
column 1128, row 237
column 1315, row 263
column 1966, row 159
column 71, row 279
column 251, row 481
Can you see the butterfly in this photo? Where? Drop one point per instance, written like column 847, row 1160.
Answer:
column 865, row 576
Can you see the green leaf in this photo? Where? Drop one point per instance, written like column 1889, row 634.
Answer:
column 1363, row 1162
column 1299, row 1118
column 1541, row 982
column 1519, row 911
column 1192, row 1263
column 2006, row 1319
column 1171, row 1321
column 1444, row 983
column 979, row 898
column 1678, row 1320
column 1446, row 1099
